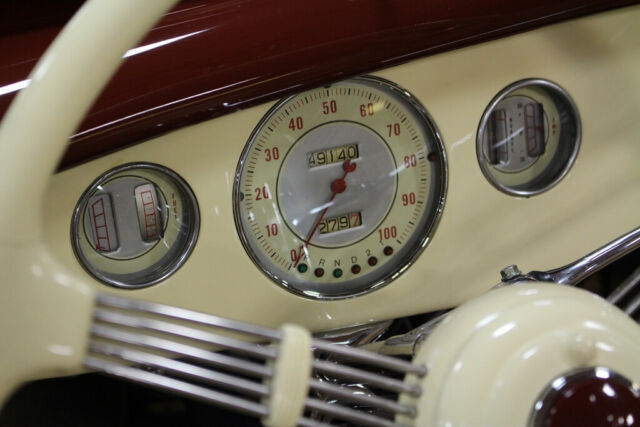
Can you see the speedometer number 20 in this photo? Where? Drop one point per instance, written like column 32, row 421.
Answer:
column 340, row 188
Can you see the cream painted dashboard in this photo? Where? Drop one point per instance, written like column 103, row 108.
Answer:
column 596, row 59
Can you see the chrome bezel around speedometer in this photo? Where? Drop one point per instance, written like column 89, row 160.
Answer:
column 330, row 114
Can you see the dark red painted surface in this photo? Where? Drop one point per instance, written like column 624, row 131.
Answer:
column 593, row 402
column 220, row 56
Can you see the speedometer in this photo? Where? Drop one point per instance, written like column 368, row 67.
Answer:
column 340, row 188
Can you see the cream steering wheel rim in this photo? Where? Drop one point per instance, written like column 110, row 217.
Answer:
column 45, row 313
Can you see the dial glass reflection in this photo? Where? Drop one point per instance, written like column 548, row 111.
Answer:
column 528, row 137
column 332, row 177
column 135, row 225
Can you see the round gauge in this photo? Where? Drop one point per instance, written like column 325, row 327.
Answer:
column 528, row 137
column 340, row 188
column 135, row 225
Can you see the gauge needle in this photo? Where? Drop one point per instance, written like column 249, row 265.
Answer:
column 338, row 186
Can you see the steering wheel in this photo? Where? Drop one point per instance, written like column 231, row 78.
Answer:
column 46, row 313
column 36, row 294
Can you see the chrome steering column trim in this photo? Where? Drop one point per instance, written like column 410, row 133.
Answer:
column 575, row 272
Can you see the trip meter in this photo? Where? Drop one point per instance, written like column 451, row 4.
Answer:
column 340, row 188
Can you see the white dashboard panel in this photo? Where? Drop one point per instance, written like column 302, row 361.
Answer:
column 596, row 59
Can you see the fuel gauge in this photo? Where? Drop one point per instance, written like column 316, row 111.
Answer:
column 528, row 137
column 135, row 225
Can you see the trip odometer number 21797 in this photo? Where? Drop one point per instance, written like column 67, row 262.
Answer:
column 340, row 188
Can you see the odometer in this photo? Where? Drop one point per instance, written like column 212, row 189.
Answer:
column 340, row 188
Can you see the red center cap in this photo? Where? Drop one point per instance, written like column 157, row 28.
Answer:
column 338, row 186
column 597, row 397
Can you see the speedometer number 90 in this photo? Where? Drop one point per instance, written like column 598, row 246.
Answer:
column 340, row 188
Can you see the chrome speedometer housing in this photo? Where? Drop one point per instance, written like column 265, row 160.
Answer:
column 340, row 188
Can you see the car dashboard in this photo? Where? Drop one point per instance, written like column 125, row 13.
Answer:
column 360, row 198
column 482, row 229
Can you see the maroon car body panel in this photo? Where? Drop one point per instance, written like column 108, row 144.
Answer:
column 207, row 58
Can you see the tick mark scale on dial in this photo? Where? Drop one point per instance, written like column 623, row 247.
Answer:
column 399, row 242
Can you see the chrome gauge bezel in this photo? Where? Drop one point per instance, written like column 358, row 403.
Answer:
column 433, row 217
column 546, row 180
column 159, row 272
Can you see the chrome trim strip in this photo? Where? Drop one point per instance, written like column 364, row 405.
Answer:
column 339, row 392
column 115, row 318
column 159, row 381
column 573, row 273
column 175, row 349
column 630, row 284
column 377, row 360
column 377, row 380
column 190, row 315
column 186, row 370
column 347, row 414
column 157, row 345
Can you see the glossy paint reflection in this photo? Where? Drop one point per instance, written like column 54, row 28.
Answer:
column 223, row 56
column 592, row 397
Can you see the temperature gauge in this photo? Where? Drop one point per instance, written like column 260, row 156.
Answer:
column 528, row 137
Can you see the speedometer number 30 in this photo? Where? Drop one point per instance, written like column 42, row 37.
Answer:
column 340, row 188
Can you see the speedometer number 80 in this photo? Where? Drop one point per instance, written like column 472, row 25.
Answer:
column 339, row 188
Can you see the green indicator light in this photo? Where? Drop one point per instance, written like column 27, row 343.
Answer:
column 302, row 268
column 337, row 272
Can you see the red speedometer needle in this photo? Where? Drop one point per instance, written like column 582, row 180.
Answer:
column 338, row 186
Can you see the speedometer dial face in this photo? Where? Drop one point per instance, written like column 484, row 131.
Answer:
column 340, row 188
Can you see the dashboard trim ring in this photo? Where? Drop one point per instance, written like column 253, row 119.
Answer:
column 184, row 253
column 506, row 92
